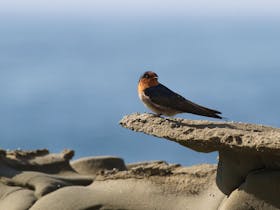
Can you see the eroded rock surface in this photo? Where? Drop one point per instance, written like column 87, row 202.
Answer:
column 102, row 183
column 94, row 165
column 246, row 177
column 244, row 150
column 208, row 136
column 26, row 176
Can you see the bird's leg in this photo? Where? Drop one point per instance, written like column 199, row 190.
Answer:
column 158, row 115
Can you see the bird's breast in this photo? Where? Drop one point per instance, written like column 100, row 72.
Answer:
column 156, row 108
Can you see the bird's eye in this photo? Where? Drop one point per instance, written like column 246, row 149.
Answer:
column 146, row 75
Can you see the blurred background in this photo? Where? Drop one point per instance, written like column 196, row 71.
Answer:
column 69, row 70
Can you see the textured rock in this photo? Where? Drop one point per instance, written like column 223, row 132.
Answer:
column 26, row 176
column 233, row 167
column 146, row 186
column 206, row 136
column 38, row 160
column 247, row 175
column 259, row 191
column 109, row 184
column 94, row 165
column 244, row 150
column 16, row 198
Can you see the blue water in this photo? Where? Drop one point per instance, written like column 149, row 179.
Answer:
column 66, row 83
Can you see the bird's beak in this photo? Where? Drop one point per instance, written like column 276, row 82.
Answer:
column 155, row 77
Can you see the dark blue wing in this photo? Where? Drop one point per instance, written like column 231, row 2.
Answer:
column 165, row 97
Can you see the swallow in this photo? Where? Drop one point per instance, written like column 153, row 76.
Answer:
column 163, row 101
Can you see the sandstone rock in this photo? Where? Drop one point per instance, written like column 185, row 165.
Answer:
column 111, row 185
column 147, row 186
column 243, row 149
column 247, row 175
column 94, row 165
column 207, row 136
column 16, row 198
column 259, row 191
column 26, row 176
column 233, row 168
column 38, row 160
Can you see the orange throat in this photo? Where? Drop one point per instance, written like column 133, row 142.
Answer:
column 146, row 83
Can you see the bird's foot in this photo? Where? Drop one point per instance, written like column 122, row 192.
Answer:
column 157, row 115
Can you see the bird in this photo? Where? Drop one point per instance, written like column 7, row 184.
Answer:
column 163, row 101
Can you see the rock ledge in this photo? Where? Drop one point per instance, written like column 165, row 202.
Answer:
column 208, row 136
column 248, row 170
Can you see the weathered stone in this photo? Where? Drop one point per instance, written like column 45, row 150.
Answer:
column 259, row 191
column 16, row 198
column 149, row 185
column 38, row 160
column 25, row 169
column 94, row 165
column 233, row 168
column 208, row 136
column 179, row 188
column 243, row 148
column 247, row 176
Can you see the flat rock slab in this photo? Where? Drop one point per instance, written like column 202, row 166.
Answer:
column 244, row 151
column 94, row 165
column 41, row 180
column 153, row 185
column 110, row 184
column 247, row 175
column 208, row 136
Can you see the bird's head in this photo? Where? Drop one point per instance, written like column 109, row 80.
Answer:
column 148, row 79
column 149, row 76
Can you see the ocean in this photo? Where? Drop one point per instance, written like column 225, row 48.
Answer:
column 66, row 82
